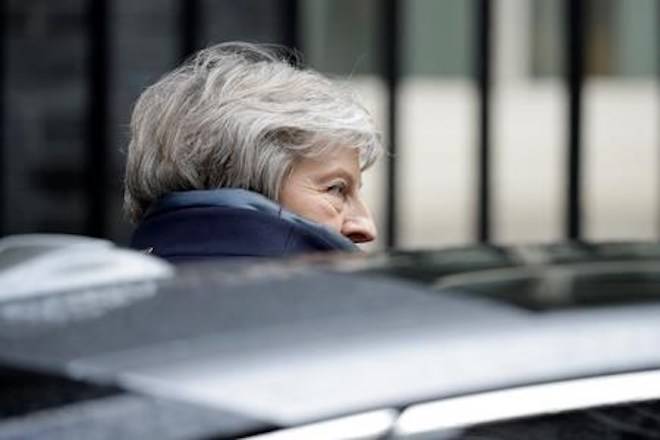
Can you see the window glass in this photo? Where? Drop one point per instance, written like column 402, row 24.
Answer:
column 545, row 291
column 428, row 266
column 620, row 128
column 341, row 36
column 438, row 38
column 438, row 122
column 528, row 122
column 621, row 38
column 546, row 31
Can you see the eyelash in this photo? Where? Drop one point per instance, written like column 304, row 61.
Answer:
column 338, row 189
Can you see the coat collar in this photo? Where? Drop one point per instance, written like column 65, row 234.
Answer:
column 230, row 222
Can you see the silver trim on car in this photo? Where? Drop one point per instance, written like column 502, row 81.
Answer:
column 365, row 426
column 447, row 415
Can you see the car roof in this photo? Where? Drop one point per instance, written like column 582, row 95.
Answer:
column 297, row 341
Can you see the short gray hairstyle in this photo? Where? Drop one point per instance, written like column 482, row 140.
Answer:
column 238, row 115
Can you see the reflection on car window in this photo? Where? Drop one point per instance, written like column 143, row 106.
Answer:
column 534, row 277
column 575, row 252
column 628, row 250
column 613, row 288
column 427, row 266
column 551, row 288
column 634, row 421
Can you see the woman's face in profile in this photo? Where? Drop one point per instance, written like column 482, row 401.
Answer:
column 326, row 190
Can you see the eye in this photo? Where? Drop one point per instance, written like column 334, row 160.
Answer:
column 337, row 189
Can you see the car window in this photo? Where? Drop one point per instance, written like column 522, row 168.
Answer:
column 427, row 266
column 559, row 288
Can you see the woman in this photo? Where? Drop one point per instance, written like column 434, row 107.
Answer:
column 240, row 153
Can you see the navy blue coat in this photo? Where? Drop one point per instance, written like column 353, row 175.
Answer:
column 192, row 225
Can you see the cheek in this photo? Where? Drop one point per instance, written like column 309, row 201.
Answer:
column 335, row 203
column 316, row 207
column 324, row 209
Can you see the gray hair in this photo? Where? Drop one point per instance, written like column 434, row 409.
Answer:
column 237, row 115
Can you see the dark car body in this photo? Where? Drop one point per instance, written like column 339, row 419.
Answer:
column 429, row 344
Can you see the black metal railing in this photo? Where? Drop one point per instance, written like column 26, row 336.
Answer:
column 291, row 33
column 391, row 71
column 190, row 27
column 575, row 52
column 483, row 63
column 97, row 148
column 4, row 21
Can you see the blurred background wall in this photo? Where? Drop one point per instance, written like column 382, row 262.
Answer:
column 508, row 120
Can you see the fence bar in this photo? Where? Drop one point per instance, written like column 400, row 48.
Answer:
column 189, row 27
column 483, row 63
column 391, row 28
column 96, row 171
column 291, row 31
column 4, row 150
column 575, row 53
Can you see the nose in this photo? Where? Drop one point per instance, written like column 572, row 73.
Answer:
column 359, row 226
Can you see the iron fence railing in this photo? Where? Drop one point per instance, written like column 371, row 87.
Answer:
column 97, row 148
column 575, row 52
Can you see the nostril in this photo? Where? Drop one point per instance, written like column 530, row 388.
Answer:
column 357, row 238
column 360, row 237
